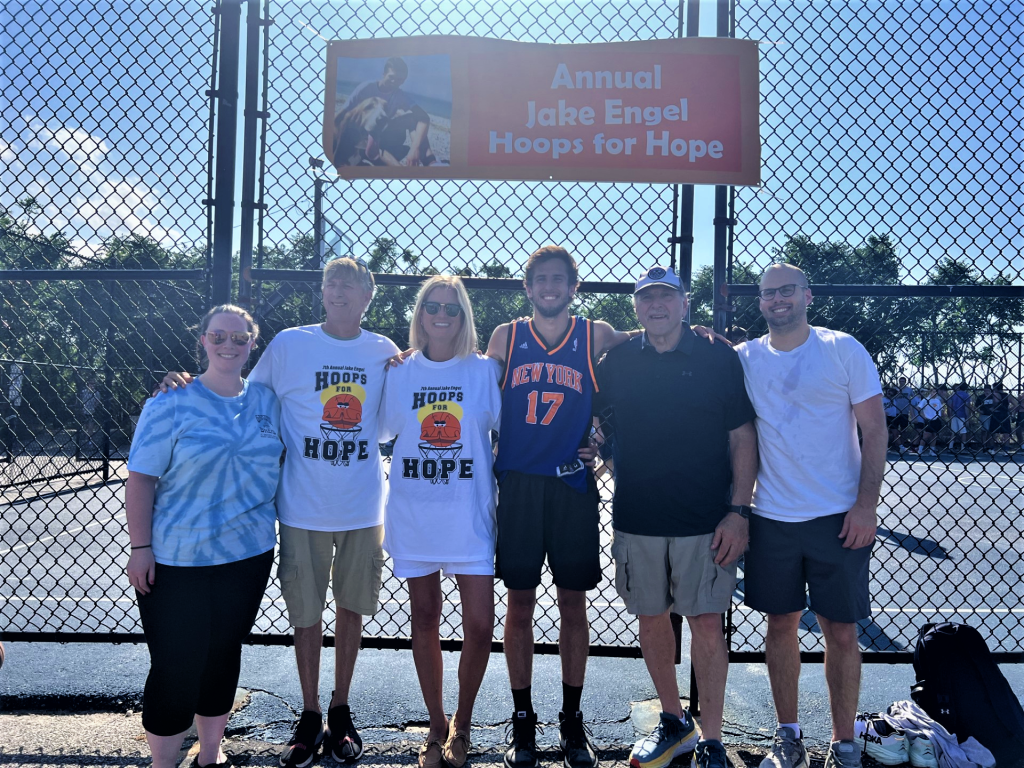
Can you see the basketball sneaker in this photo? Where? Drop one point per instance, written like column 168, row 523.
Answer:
column 880, row 740
column 305, row 743
column 672, row 736
column 922, row 753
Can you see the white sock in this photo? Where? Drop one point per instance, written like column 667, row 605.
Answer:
column 794, row 726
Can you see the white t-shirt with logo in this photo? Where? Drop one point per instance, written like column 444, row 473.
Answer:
column 330, row 392
column 931, row 408
column 806, row 429
column 442, row 490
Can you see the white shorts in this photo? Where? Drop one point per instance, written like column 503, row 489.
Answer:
column 411, row 569
column 957, row 425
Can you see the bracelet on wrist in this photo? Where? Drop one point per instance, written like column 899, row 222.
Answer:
column 143, row 546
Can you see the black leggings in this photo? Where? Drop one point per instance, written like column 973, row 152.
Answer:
column 195, row 620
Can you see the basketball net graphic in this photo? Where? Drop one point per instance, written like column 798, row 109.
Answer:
column 440, row 431
column 343, row 412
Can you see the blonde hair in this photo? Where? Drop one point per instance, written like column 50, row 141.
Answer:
column 347, row 267
column 224, row 309
column 465, row 342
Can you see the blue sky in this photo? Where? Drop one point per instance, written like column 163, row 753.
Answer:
column 875, row 119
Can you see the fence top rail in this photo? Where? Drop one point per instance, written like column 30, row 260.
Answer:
column 492, row 283
column 921, row 291
column 87, row 275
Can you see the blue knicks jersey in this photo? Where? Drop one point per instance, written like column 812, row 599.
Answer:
column 546, row 403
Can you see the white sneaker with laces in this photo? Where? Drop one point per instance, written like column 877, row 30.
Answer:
column 880, row 740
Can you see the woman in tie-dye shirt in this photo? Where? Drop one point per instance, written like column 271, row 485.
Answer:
column 202, row 474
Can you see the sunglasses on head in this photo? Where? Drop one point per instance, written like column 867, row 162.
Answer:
column 433, row 307
column 784, row 290
column 240, row 338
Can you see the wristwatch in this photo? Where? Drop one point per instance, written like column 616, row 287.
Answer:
column 740, row 509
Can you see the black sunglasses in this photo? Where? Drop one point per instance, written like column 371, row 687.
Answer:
column 784, row 290
column 433, row 307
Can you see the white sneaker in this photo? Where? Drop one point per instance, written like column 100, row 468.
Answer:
column 922, row 753
column 880, row 740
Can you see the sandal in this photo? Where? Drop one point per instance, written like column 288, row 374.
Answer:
column 430, row 754
column 456, row 746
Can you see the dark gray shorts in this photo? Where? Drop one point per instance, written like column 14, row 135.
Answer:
column 787, row 561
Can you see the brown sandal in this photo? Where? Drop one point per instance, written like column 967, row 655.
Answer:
column 430, row 754
column 456, row 746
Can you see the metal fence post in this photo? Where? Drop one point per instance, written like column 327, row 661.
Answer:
column 250, row 149
column 226, row 95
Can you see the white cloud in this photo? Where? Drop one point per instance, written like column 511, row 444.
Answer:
column 70, row 174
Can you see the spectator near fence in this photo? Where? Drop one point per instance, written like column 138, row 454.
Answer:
column 929, row 410
column 959, row 414
column 814, row 504
column 1000, row 421
column 984, row 405
column 903, row 401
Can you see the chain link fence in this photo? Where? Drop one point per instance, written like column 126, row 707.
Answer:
column 891, row 165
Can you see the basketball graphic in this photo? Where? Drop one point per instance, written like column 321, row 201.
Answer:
column 440, row 431
column 343, row 414
column 343, row 411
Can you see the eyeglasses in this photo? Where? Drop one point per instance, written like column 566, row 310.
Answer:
column 239, row 338
column 433, row 307
column 784, row 290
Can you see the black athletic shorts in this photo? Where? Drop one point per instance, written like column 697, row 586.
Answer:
column 786, row 561
column 542, row 516
column 932, row 425
column 901, row 421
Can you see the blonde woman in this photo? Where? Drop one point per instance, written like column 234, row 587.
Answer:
column 443, row 404
column 202, row 474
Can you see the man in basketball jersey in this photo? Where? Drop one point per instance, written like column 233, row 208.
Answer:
column 548, row 499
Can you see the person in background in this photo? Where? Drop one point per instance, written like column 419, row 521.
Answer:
column 892, row 413
column 443, row 404
column 929, row 413
column 984, row 406
column 202, row 475
column 959, row 406
column 1000, row 427
column 903, row 401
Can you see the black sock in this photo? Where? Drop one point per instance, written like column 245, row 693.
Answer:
column 571, row 696
column 521, row 699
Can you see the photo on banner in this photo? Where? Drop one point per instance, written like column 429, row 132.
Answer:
column 659, row 111
column 393, row 111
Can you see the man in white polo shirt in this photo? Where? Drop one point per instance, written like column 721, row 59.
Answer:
column 814, row 505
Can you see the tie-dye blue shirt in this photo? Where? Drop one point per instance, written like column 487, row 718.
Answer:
column 218, row 460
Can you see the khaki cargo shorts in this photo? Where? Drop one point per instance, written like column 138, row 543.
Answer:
column 351, row 561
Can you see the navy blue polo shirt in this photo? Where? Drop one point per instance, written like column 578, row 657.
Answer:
column 669, row 416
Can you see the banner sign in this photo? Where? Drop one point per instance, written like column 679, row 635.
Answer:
column 669, row 111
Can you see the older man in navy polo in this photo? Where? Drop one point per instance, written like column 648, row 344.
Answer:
column 682, row 431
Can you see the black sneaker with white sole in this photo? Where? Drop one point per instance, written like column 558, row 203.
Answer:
column 342, row 741
column 305, row 743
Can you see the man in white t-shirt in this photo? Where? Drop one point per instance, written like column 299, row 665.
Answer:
column 329, row 379
column 814, row 504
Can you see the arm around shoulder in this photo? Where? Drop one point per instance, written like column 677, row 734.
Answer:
column 497, row 346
